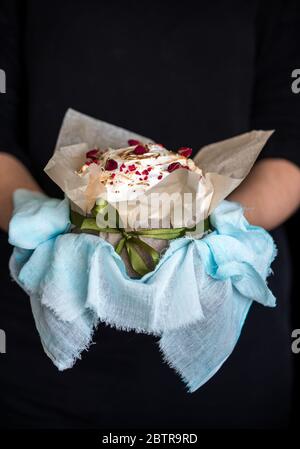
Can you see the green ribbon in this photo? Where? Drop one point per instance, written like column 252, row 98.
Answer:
column 130, row 239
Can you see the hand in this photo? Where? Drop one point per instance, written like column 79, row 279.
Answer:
column 13, row 175
column 270, row 193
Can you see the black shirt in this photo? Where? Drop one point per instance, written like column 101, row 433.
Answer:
column 184, row 74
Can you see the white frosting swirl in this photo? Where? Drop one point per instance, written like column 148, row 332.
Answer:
column 136, row 172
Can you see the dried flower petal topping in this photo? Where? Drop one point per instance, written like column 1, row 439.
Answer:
column 174, row 166
column 131, row 167
column 185, row 151
column 93, row 153
column 111, row 164
column 132, row 142
column 140, row 149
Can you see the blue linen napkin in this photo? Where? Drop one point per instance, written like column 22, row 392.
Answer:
column 196, row 299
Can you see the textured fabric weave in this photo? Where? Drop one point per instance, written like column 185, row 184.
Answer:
column 196, row 299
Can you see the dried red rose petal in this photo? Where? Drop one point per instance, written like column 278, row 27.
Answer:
column 111, row 164
column 137, row 172
column 92, row 153
column 92, row 161
column 174, row 166
column 145, row 172
column 140, row 149
column 131, row 167
column 132, row 142
column 185, row 151
column 159, row 177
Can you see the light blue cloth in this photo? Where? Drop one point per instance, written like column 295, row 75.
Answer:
column 196, row 299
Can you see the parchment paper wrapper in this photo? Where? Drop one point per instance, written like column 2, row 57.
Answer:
column 224, row 166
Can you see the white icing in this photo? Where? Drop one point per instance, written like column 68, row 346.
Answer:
column 124, row 179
